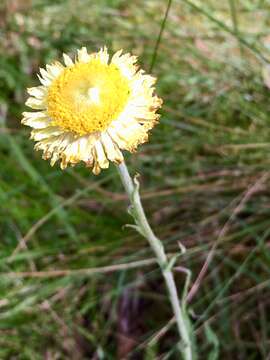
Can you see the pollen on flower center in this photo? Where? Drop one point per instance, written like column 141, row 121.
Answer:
column 87, row 97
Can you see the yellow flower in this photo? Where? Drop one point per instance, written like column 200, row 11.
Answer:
column 91, row 109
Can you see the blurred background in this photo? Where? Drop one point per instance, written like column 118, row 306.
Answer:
column 204, row 183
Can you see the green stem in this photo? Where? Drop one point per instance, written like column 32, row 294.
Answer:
column 154, row 57
column 157, row 247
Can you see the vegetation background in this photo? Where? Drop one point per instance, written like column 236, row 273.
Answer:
column 204, row 182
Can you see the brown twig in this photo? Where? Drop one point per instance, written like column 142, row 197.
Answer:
column 246, row 196
column 91, row 271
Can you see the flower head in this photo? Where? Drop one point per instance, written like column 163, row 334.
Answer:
column 91, row 109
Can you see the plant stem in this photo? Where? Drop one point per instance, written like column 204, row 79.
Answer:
column 144, row 228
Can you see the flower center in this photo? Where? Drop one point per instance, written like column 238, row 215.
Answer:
column 87, row 97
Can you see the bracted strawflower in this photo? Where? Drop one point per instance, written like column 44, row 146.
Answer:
column 89, row 110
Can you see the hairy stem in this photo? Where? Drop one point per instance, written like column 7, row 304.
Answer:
column 144, row 228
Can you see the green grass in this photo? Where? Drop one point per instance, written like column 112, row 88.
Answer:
column 199, row 173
